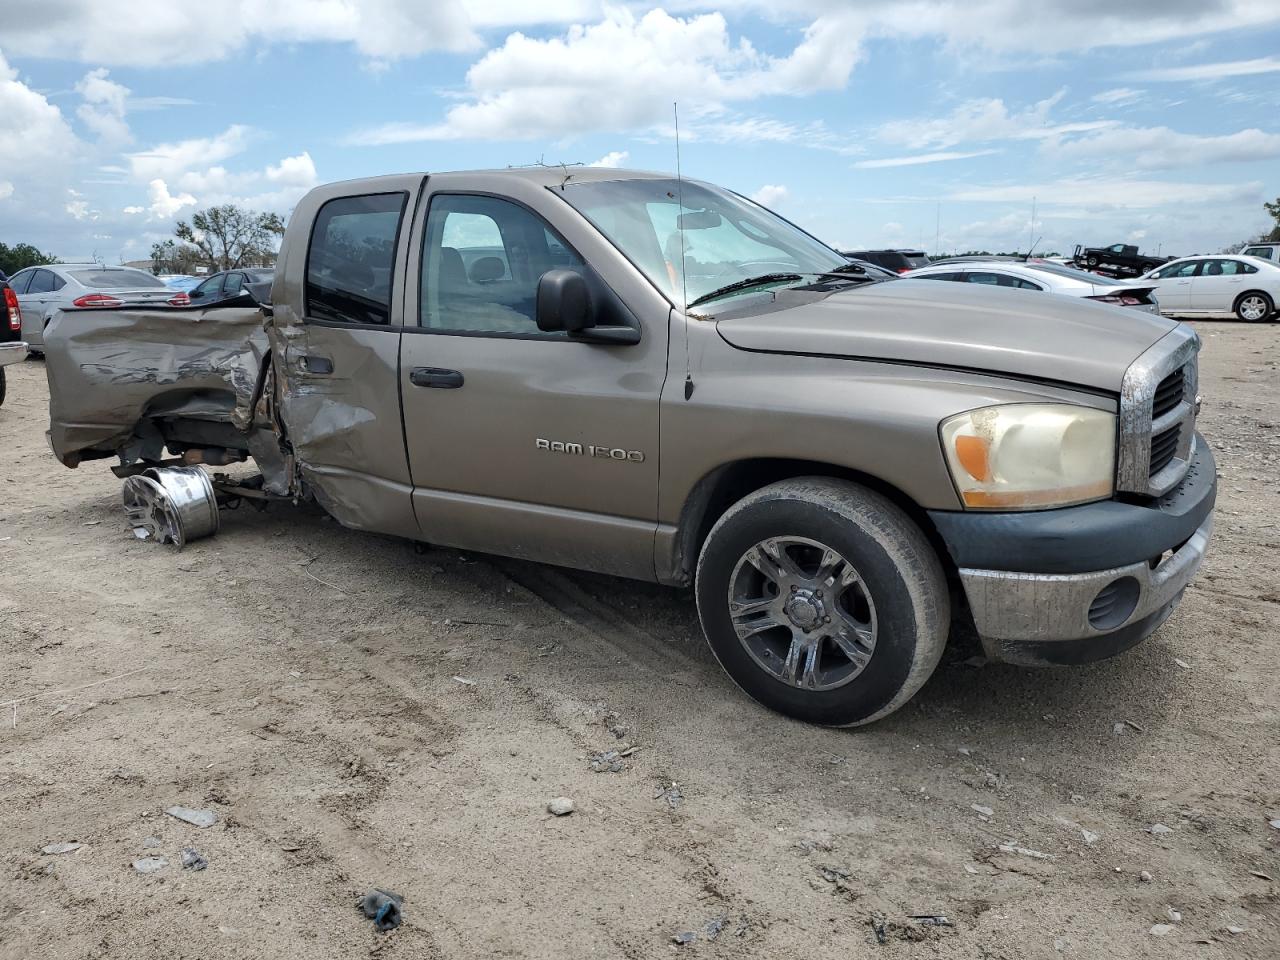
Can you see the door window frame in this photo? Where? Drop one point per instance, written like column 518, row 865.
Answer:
column 392, row 323
column 549, row 336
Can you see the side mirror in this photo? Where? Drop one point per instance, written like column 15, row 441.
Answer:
column 196, row 294
column 564, row 302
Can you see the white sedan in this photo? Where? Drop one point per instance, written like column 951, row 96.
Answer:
column 1247, row 288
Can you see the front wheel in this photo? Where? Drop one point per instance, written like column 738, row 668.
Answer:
column 823, row 600
column 1254, row 307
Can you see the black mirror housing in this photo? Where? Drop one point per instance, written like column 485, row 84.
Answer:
column 564, row 303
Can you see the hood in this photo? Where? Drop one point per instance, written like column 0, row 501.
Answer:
column 1023, row 333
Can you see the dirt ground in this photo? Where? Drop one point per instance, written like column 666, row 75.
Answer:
column 358, row 715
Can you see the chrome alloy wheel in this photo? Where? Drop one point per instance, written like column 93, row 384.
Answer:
column 803, row 613
column 1253, row 307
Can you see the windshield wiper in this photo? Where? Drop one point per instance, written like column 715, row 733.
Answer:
column 747, row 283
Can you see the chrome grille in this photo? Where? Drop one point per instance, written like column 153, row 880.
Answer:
column 1158, row 415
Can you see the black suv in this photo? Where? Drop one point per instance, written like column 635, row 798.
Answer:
column 899, row 261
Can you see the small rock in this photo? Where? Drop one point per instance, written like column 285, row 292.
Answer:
column 1182, row 663
column 1145, row 877
column 1275, row 824
column 964, row 752
column 1089, row 836
column 672, row 794
column 970, row 868
column 150, row 864
column 1158, row 828
column 54, row 849
column 1033, row 854
column 680, row 939
column 1162, row 929
column 1235, row 931
column 560, row 807
column 1059, row 945
column 1119, row 729
column 610, row 761
column 981, row 810
column 714, row 927
column 151, row 843
column 1173, row 914
column 197, row 818
column 193, row 860
column 466, row 682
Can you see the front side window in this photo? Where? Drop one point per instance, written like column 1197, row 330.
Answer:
column 1177, row 270
column 20, row 280
column 352, row 258
column 209, row 288
column 481, row 262
column 690, row 239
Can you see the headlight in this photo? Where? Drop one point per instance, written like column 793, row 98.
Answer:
column 1023, row 456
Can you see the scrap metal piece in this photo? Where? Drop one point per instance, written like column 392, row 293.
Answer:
column 172, row 505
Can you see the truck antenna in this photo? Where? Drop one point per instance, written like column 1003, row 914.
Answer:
column 684, row 273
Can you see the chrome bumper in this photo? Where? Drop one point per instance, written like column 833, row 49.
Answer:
column 1022, row 616
column 12, row 353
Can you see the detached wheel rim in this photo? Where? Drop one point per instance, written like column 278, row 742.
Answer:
column 1253, row 308
column 803, row 613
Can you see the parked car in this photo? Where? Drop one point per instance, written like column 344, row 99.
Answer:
column 1247, row 288
column 1049, row 277
column 1263, row 251
column 820, row 454
column 12, row 349
column 899, row 261
column 179, row 281
column 42, row 291
column 1121, row 259
column 228, row 284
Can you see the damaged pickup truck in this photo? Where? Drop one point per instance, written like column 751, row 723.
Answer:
column 659, row 379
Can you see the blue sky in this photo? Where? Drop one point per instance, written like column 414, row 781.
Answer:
column 912, row 123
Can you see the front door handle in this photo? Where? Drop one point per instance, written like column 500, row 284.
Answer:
column 314, row 364
column 435, row 377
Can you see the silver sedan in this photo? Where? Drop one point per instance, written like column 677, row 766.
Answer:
column 42, row 291
column 1045, row 276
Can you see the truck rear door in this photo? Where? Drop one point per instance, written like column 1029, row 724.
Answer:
column 336, row 338
column 521, row 442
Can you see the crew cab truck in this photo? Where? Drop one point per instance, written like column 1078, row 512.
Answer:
column 1119, row 259
column 657, row 379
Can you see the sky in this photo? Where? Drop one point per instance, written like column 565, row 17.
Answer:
column 893, row 123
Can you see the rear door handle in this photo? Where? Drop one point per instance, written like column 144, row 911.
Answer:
column 435, row 377
column 314, row 364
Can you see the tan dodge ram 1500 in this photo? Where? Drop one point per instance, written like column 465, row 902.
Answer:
column 660, row 379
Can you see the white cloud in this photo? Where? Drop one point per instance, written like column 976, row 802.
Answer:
column 1209, row 71
column 1159, row 148
column 612, row 159
column 984, row 120
column 299, row 171
column 105, row 103
column 6, row 189
column 171, row 160
column 770, row 195
column 919, row 158
column 134, row 211
column 623, row 73
column 1118, row 96
column 39, row 140
column 1097, row 193
column 164, row 205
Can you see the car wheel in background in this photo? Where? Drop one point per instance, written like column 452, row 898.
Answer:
column 1254, row 306
column 1091, row 261
column 823, row 600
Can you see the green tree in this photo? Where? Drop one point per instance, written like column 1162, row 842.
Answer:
column 20, row 255
column 1274, row 210
column 170, row 257
column 229, row 236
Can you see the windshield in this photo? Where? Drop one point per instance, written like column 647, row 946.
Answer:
column 725, row 237
column 117, row 279
column 1072, row 273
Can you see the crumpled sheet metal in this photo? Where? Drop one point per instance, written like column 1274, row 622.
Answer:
column 108, row 368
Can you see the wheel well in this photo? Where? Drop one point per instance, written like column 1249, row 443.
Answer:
column 727, row 484
column 1261, row 293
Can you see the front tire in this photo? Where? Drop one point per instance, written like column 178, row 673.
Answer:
column 823, row 600
column 1254, row 307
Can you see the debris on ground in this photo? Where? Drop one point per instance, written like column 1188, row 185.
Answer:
column 197, row 818
column 1262, row 876
column 151, row 843
column 608, row 761
column 815, row 841
column 465, row 681
column 150, row 864
column 980, row 810
column 1275, row 824
column 1182, row 663
column 714, row 927
column 560, row 807
column 54, row 849
column 1023, row 851
column 877, row 927
column 193, row 860
column 1156, row 829
column 1172, row 914
column 671, row 791
column 1235, row 931
column 1145, row 877
column 1162, row 929
column 1089, row 836
column 383, row 907
column 931, row 919
column 835, row 875
column 680, row 939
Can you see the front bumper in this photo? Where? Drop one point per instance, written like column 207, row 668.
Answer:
column 12, row 353
column 1106, row 574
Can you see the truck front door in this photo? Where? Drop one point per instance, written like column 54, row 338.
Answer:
column 521, row 442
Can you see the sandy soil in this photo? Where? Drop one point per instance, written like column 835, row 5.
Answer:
column 358, row 715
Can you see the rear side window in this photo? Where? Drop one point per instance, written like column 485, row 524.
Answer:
column 352, row 258
column 939, row 276
column 43, row 282
column 1266, row 253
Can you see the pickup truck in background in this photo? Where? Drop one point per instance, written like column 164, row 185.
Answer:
column 652, row 378
column 12, row 349
column 1119, row 260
